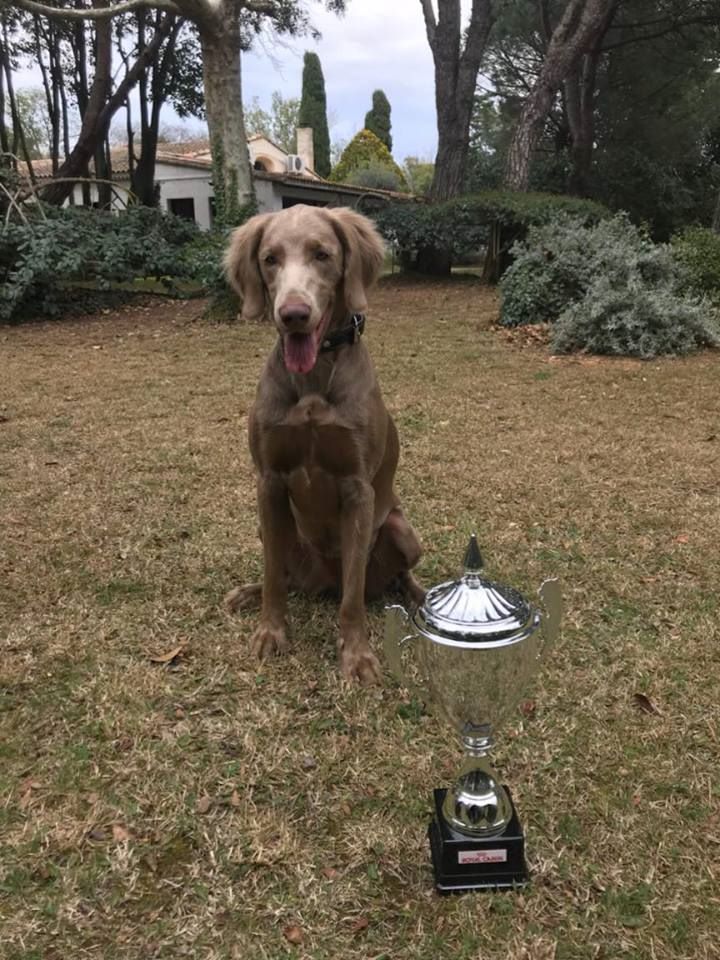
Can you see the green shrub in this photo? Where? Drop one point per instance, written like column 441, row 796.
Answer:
column 463, row 224
column 635, row 320
column 376, row 175
column 41, row 258
column 698, row 250
column 365, row 149
column 606, row 289
column 558, row 261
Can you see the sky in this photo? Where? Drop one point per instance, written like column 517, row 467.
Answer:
column 377, row 44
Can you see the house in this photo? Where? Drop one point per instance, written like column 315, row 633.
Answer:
column 183, row 173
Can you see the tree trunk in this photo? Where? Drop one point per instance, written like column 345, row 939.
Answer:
column 4, row 140
column 582, row 128
column 582, row 23
column 18, row 131
column 716, row 216
column 143, row 175
column 456, row 70
column 101, row 107
column 92, row 130
column 232, row 176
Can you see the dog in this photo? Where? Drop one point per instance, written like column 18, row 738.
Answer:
column 324, row 446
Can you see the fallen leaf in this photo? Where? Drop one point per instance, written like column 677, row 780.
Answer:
column 362, row 923
column 682, row 538
column 528, row 708
column 169, row 656
column 26, row 791
column 293, row 934
column 203, row 804
column 120, row 833
column 330, row 873
column 645, row 703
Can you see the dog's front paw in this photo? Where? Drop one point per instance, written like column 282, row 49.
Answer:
column 268, row 640
column 358, row 662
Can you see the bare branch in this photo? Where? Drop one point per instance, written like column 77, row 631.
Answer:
column 97, row 13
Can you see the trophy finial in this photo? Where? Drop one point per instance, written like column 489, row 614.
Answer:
column 473, row 558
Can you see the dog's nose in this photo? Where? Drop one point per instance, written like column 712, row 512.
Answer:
column 294, row 313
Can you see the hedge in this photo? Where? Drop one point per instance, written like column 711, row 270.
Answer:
column 496, row 218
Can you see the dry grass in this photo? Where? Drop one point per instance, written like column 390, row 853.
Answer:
column 211, row 808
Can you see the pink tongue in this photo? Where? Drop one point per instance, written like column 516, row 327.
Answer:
column 300, row 352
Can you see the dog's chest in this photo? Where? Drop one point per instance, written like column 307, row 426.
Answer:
column 312, row 435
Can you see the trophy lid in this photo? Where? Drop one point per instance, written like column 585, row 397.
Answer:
column 474, row 609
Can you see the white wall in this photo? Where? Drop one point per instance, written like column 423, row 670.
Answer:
column 179, row 182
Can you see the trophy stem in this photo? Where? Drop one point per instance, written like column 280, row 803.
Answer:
column 477, row 804
column 478, row 746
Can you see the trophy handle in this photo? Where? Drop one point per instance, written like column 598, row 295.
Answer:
column 397, row 634
column 551, row 598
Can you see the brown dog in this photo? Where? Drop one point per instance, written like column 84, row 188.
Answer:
column 324, row 446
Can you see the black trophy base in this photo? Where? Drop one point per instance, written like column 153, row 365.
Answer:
column 468, row 863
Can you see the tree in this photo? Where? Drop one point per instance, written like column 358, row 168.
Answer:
column 365, row 150
column 173, row 75
column 457, row 55
column 279, row 124
column 313, row 111
column 631, row 125
column 225, row 28
column 581, row 27
column 419, row 175
column 33, row 115
column 377, row 119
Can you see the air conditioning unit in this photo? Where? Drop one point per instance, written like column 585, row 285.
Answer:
column 295, row 163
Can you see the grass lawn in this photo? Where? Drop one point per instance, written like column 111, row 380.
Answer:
column 207, row 807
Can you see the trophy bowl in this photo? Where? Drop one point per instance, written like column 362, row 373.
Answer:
column 476, row 646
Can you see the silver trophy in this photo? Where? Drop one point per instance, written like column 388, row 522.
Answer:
column 476, row 645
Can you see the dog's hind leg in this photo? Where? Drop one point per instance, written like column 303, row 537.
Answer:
column 396, row 550
column 248, row 597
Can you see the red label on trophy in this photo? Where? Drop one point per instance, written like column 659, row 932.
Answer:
column 482, row 856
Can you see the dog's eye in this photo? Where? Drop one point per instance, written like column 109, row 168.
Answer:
column 270, row 259
column 322, row 255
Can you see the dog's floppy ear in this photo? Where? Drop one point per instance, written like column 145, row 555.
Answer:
column 242, row 269
column 364, row 252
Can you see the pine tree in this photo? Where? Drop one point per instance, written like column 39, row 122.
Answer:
column 313, row 111
column 377, row 120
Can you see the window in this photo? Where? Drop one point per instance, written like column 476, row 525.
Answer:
column 182, row 207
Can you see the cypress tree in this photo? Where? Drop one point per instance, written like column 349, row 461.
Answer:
column 313, row 111
column 378, row 118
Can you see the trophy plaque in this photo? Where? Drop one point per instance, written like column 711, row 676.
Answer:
column 476, row 645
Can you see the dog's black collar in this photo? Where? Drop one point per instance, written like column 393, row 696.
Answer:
column 349, row 334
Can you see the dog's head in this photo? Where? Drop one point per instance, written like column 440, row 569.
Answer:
column 304, row 265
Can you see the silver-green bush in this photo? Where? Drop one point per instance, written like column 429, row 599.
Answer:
column 635, row 320
column 606, row 289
